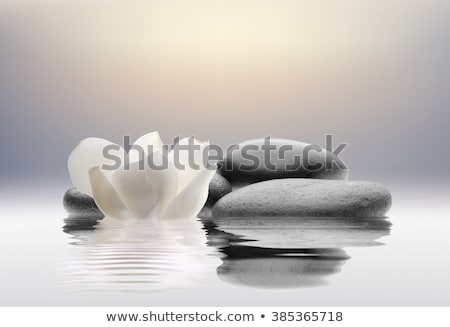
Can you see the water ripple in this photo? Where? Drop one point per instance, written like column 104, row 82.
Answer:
column 136, row 256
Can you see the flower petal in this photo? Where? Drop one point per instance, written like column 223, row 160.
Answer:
column 162, row 175
column 188, row 163
column 134, row 191
column 192, row 198
column 89, row 153
column 105, row 196
column 150, row 142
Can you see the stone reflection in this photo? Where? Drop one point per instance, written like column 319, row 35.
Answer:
column 283, row 253
column 74, row 224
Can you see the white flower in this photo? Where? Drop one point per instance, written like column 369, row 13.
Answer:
column 130, row 191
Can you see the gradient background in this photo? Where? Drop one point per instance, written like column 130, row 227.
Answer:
column 376, row 74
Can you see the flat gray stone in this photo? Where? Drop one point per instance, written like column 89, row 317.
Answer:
column 80, row 204
column 296, row 197
column 289, row 159
column 218, row 187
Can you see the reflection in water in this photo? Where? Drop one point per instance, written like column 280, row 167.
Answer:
column 143, row 256
column 138, row 256
column 291, row 268
column 288, row 252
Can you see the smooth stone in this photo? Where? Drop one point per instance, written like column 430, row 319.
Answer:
column 233, row 169
column 80, row 204
column 218, row 187
column 296, row 197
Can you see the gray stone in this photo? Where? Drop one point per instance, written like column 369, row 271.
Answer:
column 296, row 197
column 80, row 204
column 289, row 159
column 218, row 187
